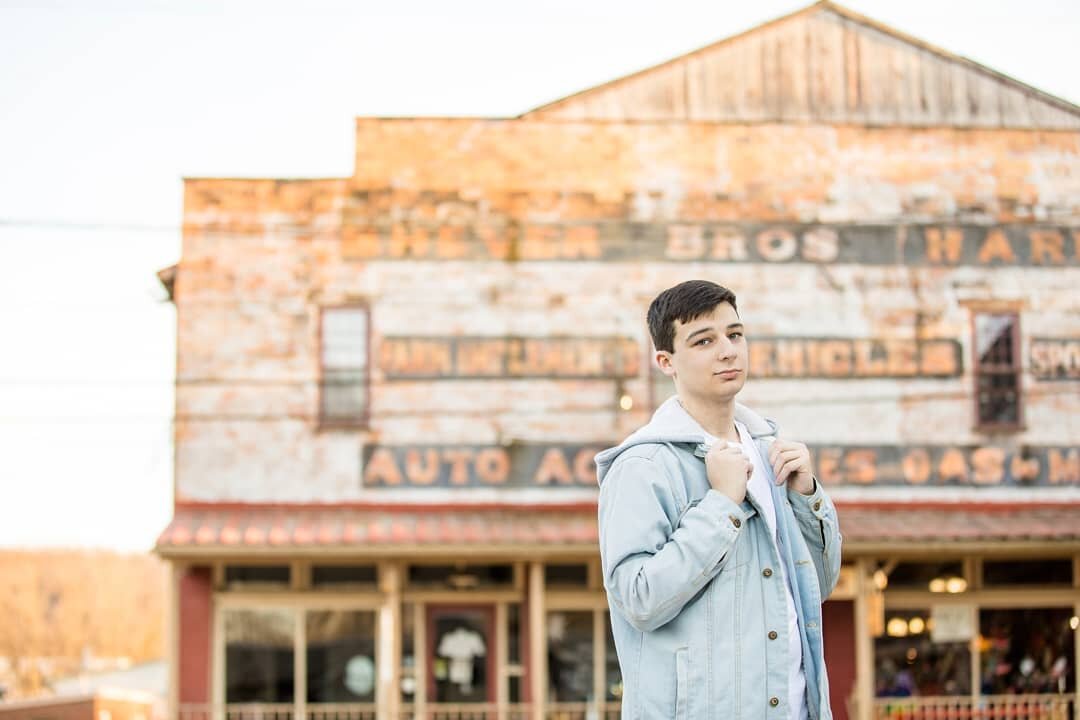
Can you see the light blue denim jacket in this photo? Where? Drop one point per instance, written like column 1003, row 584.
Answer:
column 694, row 583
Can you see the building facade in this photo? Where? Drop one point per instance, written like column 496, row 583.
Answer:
column 390, row 386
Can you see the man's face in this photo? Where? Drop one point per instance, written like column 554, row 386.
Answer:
column 710, row 358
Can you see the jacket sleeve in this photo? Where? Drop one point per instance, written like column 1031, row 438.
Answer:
column 816, row 516
column 653, row 565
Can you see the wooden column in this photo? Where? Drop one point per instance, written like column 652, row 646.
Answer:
column 420, row 658
column 537, row 640
column 502, row 653
column 388, row 692
column 172, row 629
column 599, row 662
column 864, row 643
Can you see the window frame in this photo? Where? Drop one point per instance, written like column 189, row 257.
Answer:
column 363, row 420
column 978, row 372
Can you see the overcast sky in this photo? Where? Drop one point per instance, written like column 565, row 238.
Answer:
column 104, row 106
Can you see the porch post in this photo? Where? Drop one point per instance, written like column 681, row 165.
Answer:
column 537, row 640
column 388, row 694
column 864, row 645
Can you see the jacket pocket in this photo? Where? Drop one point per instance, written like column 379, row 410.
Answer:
column 682, row 688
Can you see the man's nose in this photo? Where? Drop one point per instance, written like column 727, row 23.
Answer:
column 725, row 349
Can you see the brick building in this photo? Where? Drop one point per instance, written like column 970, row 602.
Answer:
column 390, row 386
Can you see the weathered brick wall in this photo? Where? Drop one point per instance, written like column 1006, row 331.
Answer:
column 489, row 229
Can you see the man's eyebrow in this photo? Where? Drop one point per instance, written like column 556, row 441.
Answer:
column 698, row 332
column 732, row 326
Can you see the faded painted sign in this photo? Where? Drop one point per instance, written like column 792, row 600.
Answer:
column 516, row 465
column 551, row 465
column 615, row 240
column 935, row 465
column 774, row 357
column 1055, row 358
column 403, row 358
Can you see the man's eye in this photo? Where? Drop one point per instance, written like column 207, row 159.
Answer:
column 735, row 335
column 703, row 341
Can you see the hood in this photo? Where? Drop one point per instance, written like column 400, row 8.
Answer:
column 672, row 424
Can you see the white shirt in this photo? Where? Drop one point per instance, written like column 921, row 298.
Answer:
column 759, row 488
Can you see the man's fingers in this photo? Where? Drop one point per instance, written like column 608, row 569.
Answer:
column 785, row 456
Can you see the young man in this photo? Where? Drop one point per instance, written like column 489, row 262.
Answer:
column 718, row 544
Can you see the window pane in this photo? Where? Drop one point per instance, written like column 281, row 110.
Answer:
column 335, row 576
column 570, row 656
column 513, row 617
column 259, row 656
column 566, row 576
column 613, row 679
column 257, row 575
column 465, row 577
column 920, row 575
column 344, row 393
column 1027, row 651
column 341, row 656
column 907, row 662
column 1028, row 572
column 344, row 338
column 994, row 339
column 408, row 652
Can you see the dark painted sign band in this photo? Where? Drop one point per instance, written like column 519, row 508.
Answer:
column 614, row 240
column 517, row 465
column 947, row 465
column 432, row 358
column 844, row 358
column 411, row 358
column 1055, row 358
column 547, row 465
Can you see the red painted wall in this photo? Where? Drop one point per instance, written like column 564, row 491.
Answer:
column 196, row 620
column 838, row 617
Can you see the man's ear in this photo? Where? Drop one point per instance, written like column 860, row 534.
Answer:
column 663, row 360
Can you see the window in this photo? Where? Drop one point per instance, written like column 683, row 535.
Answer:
column 257, row 577
column 460, row 577
column 570, row 656
column 337, row 577
column 997, row 370
column 259, row 656
column 575, row 576
column 340, row 656
column 1028, row 650
column 908, row 660
column 344, row 366
column 1027, row 572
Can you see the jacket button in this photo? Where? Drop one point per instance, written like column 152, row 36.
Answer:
column 774, row 701
column 767, row 572
column 735, row 521
column 817, row 505
column 772, row 634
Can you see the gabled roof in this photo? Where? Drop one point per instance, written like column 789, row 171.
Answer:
column 823, row 63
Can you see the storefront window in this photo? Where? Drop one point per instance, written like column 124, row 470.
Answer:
column 934, row 577
column 907, row 661
column 340, row 656
column 1027, row 650
column 570, row 656
column 1027, row 572
column 259, row 656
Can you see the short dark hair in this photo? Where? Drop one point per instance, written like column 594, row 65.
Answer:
column 685, row 302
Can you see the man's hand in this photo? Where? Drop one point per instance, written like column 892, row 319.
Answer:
column 791, row 464
column 728, row 469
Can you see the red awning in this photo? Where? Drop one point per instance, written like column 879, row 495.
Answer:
column 246, row 528
column 214, row 529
